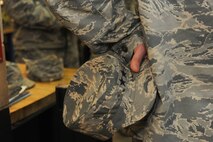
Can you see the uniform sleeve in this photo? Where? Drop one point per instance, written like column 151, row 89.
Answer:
column 101, row 25
column 30, row 13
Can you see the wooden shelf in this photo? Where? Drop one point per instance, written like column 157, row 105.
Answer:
column 42, row 95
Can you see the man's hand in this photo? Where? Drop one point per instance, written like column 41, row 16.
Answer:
column 139, row 54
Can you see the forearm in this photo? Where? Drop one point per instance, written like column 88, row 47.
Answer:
column 99, row 24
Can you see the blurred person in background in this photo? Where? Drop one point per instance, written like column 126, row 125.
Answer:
column 38, row 34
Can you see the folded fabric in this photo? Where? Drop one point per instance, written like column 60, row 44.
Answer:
column 15, row 79
column 46, row 69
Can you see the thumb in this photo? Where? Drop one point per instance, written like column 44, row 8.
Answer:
column 139, row 53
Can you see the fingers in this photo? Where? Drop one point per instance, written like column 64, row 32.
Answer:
column 139, row 53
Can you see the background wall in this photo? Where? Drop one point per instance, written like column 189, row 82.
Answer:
column 3, row 84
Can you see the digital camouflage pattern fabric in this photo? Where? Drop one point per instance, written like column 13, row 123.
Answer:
column 15, row 79
column 105, row 96
column 120, row 41
column 46, row 69
column 178, row 36
column 98, row 25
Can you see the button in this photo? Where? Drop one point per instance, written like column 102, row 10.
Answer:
column 124, row 48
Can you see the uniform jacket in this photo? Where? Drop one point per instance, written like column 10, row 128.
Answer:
column 179, row 39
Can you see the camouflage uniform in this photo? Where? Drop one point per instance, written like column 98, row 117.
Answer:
column 178, row 36
column 132, row 5
column 180, row 48
column 37, row 31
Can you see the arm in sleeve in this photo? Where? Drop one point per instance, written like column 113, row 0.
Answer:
column 30, row 13
column 101, row 25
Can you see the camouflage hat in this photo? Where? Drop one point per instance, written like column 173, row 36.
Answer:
column 15, row 79
column 46, row 69
column 105, row 96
